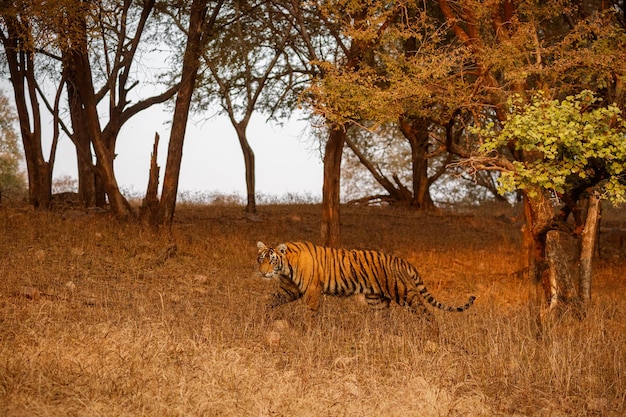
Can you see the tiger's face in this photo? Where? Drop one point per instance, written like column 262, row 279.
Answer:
column 271, row 260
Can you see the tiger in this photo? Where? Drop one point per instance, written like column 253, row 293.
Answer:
column 308, row 271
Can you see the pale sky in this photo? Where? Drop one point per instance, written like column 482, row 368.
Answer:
column 288, row 159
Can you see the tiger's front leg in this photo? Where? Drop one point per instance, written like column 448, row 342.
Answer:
column 312, row 297
column 287, row 292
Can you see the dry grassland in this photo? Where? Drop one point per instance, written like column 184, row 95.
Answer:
column 104, row 318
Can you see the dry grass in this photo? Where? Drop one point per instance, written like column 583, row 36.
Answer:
column 101, row 318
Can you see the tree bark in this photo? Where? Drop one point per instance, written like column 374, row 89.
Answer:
column 22, row 76
column 550, row 265
column 191, row 64
column 529, row 261
column 415, row 130
column 82, row 143
column 150, row 205
column 248, row 157
column 77, row 68
column 330, row 228
column 561, row 269
column 119, row 204
column 588, row 241
column 539, row 214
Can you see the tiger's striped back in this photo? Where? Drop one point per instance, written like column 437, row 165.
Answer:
column 306, row 270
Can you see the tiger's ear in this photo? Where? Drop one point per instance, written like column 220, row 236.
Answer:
column 261, row 246
column 282, row 248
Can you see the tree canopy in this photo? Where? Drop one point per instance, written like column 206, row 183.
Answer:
column 427, row 71
column 571, row 144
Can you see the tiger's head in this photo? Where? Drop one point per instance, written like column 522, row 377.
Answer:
column 271, row 260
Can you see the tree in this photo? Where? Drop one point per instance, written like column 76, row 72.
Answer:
column 571, row 147
column 81, row 90
column 251, row 73
column 471, row 58
column 122, row 32
column 421, row 41
column 200, row 28
column 520, row 47
column 384, row 157
column 90, row 51
column 19, row 43
column 409, row 77
column 387, row 155
column 335, row 40
column 11, row 179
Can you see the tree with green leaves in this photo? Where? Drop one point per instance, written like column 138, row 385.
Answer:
column 570, row 149
column 520, row 47
column 573, row 144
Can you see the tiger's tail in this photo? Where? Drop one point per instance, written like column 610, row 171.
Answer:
column 426, row 295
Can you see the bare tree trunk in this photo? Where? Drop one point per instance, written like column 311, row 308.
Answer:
column 550, row 276
column 86, row 179
column 528, row 246
column 119, row 204
column 82, row 143
column 415, row 130
column 563, row 292
column 587, row 243
column 330, row 230
column 39, row 175
column 550, row 262
column 150, row 205
column 191, row 64
column 539, row 214
column 248, row 157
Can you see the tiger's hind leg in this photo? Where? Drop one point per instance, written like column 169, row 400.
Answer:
column 377, row 301
column 416, row 305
